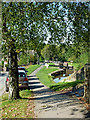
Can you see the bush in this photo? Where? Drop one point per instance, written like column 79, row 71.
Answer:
column 2, row 63
column 72, row 58
column 41, row 59
column 6, row 65
column 24, row 59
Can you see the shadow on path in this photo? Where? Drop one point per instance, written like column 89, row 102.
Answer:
column 51, row 104
column 36, row 86
column 33, row 82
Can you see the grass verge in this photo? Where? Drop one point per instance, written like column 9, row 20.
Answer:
column 48, row 81
column 32, row 68
column 76, row 66
column 64, row 85
column 44, row 77
column 20, row 108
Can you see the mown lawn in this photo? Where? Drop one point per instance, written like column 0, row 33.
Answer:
column 44, row 77
column 48, row 81
column 31, row 68
column 20, row 108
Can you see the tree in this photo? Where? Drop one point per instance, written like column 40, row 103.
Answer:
column 13, row 72
column 45, row 52
column 27, row 25
column 18, row 29
column 79, row 16
column 50, row 52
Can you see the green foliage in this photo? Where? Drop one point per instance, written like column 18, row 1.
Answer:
column 4, row 97
column 75, row 65
column 35, row 58
column 24, row 59
column 16, row 108
column 50, row 52
column 30, row 33
column 51, row 63
column 32, row 68
column 25, row 93
column 80, row 61
column 65, row 85
column 2, row 63
column 72, row 58
column 45, row 52
column 48, row 80
column 44, row 77
column 83, row 58
column 41, row 59
column 27, row 25
column 7, row 65
column 31, row 58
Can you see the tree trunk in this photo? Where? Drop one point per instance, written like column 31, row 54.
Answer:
column 13, row 66
column 38, row 59
column 13, row 73
column 87, row 83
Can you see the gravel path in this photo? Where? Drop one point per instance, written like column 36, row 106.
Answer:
column 50, row 104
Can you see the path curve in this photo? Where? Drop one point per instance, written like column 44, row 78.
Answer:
column 50, row 104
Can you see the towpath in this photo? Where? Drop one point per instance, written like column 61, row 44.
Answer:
column 50, row 104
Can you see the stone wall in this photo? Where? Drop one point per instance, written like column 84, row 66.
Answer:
column 57, row 72
column 77, row 75
column 70, row 78
column 80, row 74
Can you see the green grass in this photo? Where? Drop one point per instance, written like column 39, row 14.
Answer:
column 25, row 93
column 44, row 77
column 80, row 61
column 64, row 85
column 48, row 81
column 16, row 108
column 51, row 63
column 32, row 68
column 76, row 66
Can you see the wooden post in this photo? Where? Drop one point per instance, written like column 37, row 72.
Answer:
column 87, row 83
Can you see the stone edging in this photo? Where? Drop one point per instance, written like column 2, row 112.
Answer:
column 70, row 78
